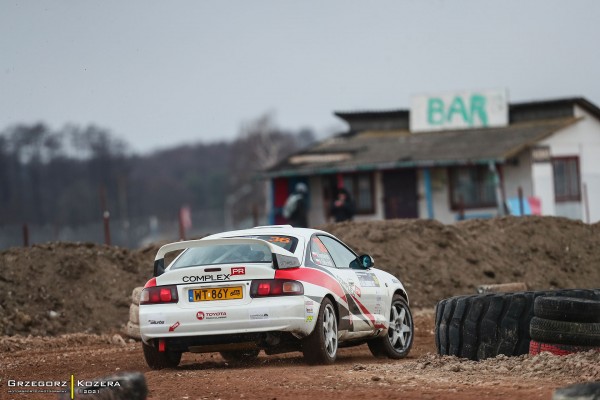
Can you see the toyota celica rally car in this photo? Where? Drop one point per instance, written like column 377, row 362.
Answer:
column 274, row 288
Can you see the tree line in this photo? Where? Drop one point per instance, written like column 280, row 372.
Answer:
column 68, row 176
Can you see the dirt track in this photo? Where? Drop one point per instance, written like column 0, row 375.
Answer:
column 61, row 288
column 356, row 374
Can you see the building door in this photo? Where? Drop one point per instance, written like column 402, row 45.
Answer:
column 400, row 193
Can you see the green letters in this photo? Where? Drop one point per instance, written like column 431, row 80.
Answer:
column 458, row 107
column 478, row 109
column 473, row 113
column 435, row 111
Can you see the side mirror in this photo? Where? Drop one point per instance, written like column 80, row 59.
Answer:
column 362, row 262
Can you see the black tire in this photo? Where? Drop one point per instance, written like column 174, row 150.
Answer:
column 320, row 347
column 240, row 356
column 160, row 360
column 561, row 332
column 481, row 326
column 399, row 339
column 567, row 309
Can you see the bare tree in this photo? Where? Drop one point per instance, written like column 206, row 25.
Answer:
column 260, row 145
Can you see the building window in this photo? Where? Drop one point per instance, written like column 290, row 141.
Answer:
column 361, row 188
column 566, row 179
column 472, row 187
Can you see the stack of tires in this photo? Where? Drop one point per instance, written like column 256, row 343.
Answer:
column 564, row 325
column 132, row 329
column 486, row 325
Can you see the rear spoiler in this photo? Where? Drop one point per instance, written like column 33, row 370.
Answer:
column 282, row 258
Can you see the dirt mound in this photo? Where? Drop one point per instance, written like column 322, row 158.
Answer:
column 436, row 261
column 68, row 287
column 61, row 288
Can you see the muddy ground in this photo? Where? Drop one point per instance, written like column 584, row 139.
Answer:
column 356, row 374
column 83, row 290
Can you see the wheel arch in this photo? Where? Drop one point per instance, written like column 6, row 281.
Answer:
column 335, row 306
column 401, row 293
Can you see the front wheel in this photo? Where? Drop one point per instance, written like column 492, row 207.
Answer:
column 397, row 343
column 159, row 360
column 320, row 347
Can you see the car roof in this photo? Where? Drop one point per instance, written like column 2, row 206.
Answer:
column 289, row 230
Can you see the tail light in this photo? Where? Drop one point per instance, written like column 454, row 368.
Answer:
column 159, row 295
column 275, row 287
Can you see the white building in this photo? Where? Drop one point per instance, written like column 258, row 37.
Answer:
column 547, row 150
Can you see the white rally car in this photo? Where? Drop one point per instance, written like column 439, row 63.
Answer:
column 273, row 288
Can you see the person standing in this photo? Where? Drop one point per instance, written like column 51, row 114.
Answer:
column 342, row 208
column 295, row 208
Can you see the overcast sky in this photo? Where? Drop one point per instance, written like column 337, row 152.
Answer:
column 161, row 73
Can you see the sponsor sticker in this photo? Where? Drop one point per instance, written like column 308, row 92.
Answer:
column 201, row 315
column 309, row 318
column 174, row 326
column 258, row 314
column 238, row 271
column 367, row 279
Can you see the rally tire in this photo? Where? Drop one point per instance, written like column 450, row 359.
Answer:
column 536, row 348
column 397, row 342
column 561, row 332
column 240, row 356
column 160, row 360
column 320, row 347
column 482, row 326
column 567, row 309
column 134, row 314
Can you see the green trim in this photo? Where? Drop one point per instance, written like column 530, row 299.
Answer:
column 376, row 167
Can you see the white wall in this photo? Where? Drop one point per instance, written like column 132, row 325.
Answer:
column 543, row 186
column 518, row 175
column 581, row 139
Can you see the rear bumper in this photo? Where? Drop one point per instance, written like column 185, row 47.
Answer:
column 261, row 315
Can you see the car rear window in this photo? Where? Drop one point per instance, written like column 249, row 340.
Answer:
column 223, row 254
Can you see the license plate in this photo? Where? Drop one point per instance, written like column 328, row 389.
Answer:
column 211, row 294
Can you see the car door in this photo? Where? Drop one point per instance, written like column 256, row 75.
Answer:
column 363, row 286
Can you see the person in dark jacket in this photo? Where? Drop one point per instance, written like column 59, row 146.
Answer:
column 342, row 208
column 295, row 208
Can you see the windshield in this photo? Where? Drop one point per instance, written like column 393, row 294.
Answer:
column 223, row 254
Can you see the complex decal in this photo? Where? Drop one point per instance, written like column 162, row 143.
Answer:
column 205, row 278
column 174, row 326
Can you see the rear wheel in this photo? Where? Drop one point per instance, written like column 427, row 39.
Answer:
column 320, row 347
column 397, row 343
column 160, row 360
column 240, row 356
